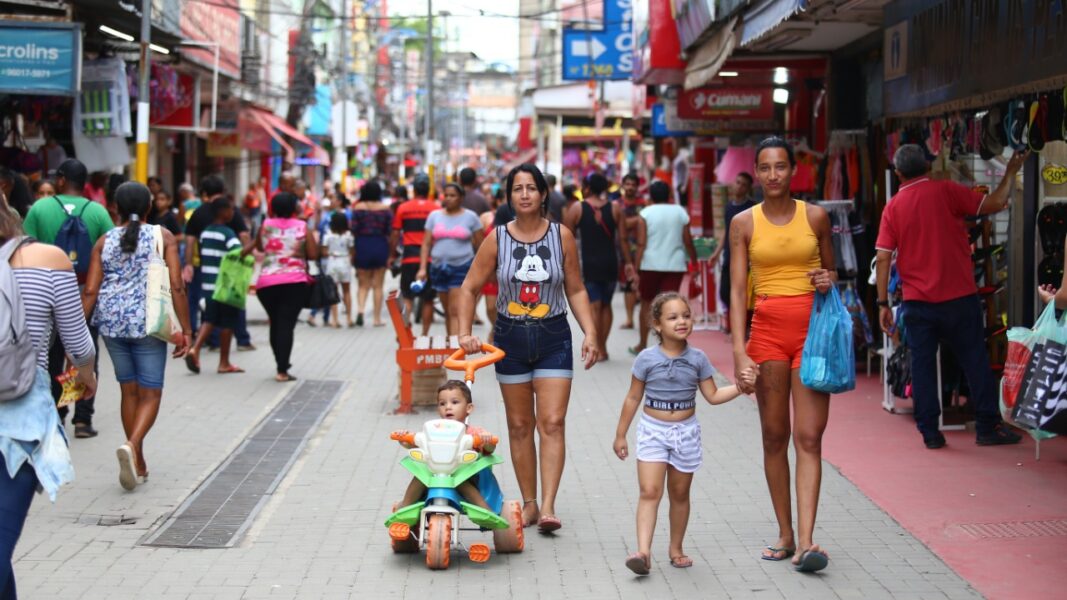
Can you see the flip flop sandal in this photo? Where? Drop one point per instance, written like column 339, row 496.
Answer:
column 1015, row 125
column 192, row 363
column 231, row 369
column 548, row 524
column 638, row 563
column 1038, row 125
column 812, row 561
column 127, row 471
column 681, row 562
column 788, row 553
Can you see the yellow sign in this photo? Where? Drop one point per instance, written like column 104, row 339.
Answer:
column 1054, row 174
column 224, row 145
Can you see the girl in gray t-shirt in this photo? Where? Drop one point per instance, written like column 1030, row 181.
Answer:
column 667, row 376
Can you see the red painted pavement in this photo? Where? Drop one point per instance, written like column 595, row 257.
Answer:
column 931, row 493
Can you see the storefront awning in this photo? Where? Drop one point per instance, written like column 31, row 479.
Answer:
column 764, row 15
column 526, row 156
column 710, row 55
column 276, row 127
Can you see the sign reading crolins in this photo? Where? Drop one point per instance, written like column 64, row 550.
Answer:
column 737, row 108
column 40, row 58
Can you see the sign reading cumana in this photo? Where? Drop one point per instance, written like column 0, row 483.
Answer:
column 40, row 58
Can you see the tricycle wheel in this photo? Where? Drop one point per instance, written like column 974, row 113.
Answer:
column 438, row 541
column 511, row 539
column 409, row 545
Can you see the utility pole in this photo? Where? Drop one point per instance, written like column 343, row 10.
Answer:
column 344, row 95
column 429, row 93
column 143, row 104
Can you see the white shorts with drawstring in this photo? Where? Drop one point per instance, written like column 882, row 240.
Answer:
column 676, row 443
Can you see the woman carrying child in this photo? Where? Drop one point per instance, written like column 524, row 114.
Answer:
column 668, row 435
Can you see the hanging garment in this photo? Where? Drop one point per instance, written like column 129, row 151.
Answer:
column 853, row 164
column 737, row 159
column 103, row 107
column 803, row 181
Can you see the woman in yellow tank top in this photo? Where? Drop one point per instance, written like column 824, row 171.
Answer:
column 786, row 246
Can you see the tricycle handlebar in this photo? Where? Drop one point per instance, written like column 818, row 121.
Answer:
column 456, row 362
column 404, row 437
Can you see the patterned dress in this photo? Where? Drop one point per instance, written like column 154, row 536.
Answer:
column 122, row 299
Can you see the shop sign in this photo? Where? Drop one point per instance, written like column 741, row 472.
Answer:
column 692, row 17
column 661, row 127
column 1054, row 174
column 212, row 23
column 734, row 108
column 40, row 58
column 224, row 145
column 183, row 112
column 605, row 54
column 951, row 50
column 696, row 199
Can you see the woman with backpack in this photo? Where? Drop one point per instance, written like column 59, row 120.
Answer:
column 38, row 295
column 116, row 300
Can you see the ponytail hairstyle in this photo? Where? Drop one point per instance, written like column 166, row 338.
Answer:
column 132, row 199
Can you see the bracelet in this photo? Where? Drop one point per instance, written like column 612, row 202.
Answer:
column 884, row 303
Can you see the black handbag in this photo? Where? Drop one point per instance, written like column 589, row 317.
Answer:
column 898, row 371
column 323, row 292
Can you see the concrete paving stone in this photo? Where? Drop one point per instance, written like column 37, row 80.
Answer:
column 320, row 533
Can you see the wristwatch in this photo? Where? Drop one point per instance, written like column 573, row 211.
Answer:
column 882, row 303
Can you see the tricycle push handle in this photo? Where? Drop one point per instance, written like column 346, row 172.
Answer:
column 404, row 437
column 457, row 361
column 493, row 441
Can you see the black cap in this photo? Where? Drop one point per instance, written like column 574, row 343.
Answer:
column 74, row 171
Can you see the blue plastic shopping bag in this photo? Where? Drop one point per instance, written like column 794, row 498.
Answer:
column 828, row 363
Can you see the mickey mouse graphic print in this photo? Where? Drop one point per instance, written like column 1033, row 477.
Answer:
column 530, row 276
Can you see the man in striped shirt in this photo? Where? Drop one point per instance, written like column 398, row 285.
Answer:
column 215, row 241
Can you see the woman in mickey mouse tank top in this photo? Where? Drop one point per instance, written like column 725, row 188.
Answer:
column 536, row 266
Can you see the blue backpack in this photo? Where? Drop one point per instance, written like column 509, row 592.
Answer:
column 73, row 238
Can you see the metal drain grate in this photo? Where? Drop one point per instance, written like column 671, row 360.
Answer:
column 1016, row 529
column 222, row 508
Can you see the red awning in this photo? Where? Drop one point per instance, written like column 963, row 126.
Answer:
column 277, row 128
column 526, row 156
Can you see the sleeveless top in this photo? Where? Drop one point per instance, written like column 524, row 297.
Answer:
column 283, row 248
column 530, row 275
column 599, row 259
column 781, row 255
column 372, row 223
column 123, row 297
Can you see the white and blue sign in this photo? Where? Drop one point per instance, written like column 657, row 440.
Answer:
column 660, row 126
column 601, row 54
column 40, row 58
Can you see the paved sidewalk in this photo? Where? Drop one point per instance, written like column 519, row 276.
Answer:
column 321, row 535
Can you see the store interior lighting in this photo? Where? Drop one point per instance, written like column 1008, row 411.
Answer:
column 781, row 76
column 727, row 73
column 116, row 33
column 781, row 96
column 129, row 38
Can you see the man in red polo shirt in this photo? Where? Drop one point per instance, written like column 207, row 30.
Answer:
column 410, row 220
column 924, row 224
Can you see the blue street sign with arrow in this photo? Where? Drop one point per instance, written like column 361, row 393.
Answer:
column 601, row 54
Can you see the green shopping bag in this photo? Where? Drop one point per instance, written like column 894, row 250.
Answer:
column 235, row 275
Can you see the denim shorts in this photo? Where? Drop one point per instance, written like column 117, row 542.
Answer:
column 600, row 291
column 138, row 360
column 447, row 277
column 535, row 349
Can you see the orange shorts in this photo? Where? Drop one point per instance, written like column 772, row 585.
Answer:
column 779, row 328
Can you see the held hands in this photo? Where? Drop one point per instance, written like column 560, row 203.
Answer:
column 621, row 449
column 820, row 278
column 748, row 377
column 746, row 371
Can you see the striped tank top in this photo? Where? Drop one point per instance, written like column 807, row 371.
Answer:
column 530, row 275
